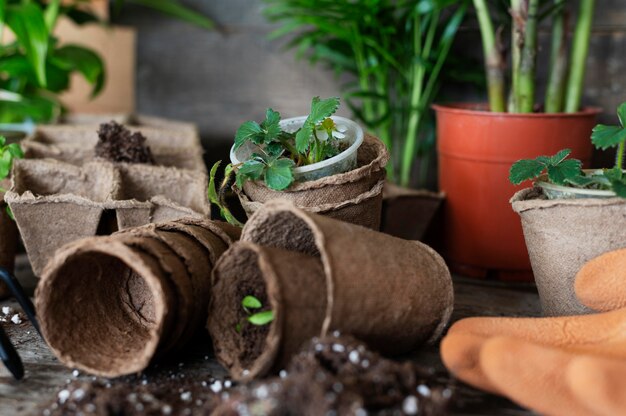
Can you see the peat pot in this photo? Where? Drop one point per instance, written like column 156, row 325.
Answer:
column 563, row 234
column 482, row 236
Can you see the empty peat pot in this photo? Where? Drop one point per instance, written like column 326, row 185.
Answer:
column 393, row 294
column 109, row 305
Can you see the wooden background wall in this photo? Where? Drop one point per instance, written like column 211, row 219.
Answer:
column 219, row 80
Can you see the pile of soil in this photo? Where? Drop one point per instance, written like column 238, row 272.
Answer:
column 339, row 375
column 117, row 144
column 334, row 375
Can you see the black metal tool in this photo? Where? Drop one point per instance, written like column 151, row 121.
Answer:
column 8, row 353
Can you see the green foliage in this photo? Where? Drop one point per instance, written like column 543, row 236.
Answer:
column 216, row 197
column 8, row 153
column 568, row 172
column 279, row 152
column 34, row 68
column 172, row 8
column 398, row 53
column 249, row 303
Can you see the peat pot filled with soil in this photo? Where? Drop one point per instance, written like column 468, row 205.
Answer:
column 482, row 236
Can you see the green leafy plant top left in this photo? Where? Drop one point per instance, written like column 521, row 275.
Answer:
column 34, row 68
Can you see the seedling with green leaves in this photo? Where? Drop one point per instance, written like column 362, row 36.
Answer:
column 249, row 304
column 567, row 172
column 278, row 152
column 8, row 153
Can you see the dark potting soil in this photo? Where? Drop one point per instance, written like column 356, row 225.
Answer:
column 117, row 144
column 253, row 337
column 335, row 375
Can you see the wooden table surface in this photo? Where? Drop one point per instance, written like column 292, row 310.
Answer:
column 45, row 376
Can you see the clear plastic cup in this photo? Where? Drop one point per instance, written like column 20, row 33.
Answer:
column 553, row 191
column 343, row 162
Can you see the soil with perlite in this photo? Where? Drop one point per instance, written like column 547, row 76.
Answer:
column 333, row 375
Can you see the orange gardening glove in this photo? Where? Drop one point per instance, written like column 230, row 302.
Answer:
column 469, row 353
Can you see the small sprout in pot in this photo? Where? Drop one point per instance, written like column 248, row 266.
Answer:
column 250, row 303
column 568, row 172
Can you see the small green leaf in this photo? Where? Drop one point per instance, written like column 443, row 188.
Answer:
column 15, row 150
column 525, row 169
column 5, row 164
column 238, row 328
column 271, row 125
column 251, row 169
column 247, row 132
column 251, row 302
column 261, row 318
column 303, row 137
column 3, row 141
column 621, row 114
column 564, row 171
column 214, row 197
column 614, row 174
column 580, row 181
column 51, row 14
column 619, row 187
column 604, row 137
column 279, row 175
column 560, row 156
column 321, row 109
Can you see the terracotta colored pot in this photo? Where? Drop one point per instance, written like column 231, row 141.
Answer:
column 482, row 236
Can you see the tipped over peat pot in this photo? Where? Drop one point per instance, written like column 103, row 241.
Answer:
column 136, row 295
column 482, row 236
column 562, row 235
column 347, row 187
column 316, row 279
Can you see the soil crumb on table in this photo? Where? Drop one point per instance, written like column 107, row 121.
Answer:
column 117, row 144
column 335, row 375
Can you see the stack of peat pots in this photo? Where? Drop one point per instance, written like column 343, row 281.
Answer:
column 61, row 192
column 319, row 275
column 135, row 295
column 354, row 196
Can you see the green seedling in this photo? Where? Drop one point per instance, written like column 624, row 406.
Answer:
column 8, row 153
column 218, row 197
column 568, row 172
column 250, row 304
column 279, row 152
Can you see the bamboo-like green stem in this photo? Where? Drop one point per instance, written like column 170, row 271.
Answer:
column 619, row 158
column 363, row 73
column 494, row 62
column 517, row 42
column 525, row 94
column 416, row 82
column 580, row 49
column 557, row 76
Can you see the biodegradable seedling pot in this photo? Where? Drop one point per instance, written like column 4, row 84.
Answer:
column 476, row 148
column 136, row 295
column 408, row 213
column 277, row 278
column 360, row 265
column 561, row 236
column 55, row 203
column 354, row 196
column 118, row 317
column 75, row 145
column 159, row 194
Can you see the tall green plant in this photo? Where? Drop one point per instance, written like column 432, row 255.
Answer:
column 396, row 51
column 564, row 89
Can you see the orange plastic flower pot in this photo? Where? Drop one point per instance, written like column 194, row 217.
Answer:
column 482, row 236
